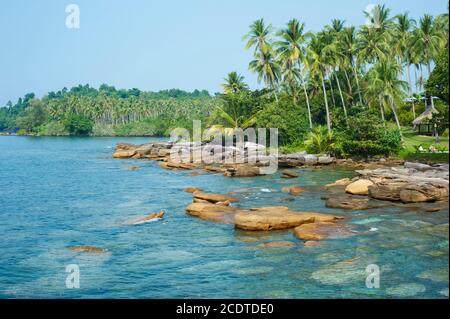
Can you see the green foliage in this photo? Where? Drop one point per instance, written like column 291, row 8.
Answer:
column 33, row 116
column 319, row 141
column 291, row 121
column 54, row 128
column 437, row 84
column 366, row 136
column 78, row 125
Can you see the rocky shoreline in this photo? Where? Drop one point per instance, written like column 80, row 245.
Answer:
column 379, row 184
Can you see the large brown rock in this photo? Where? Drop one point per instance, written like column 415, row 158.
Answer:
column 289, row 174
column 387, row 190
column 275, row 218
column 212, row 212
column 214, row 198
column 192, row 189
column 323, row 230
column 416, row 193
column 242, row 170
column 178, row 166
column 124, row 154
column 360, row 187
column 126, row 146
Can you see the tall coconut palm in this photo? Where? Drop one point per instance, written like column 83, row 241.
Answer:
column 384, row 77
column 259, row 36
column 290, row 53
column 428, row 40
column 317, row 67
column 234, row 83
column 402, row 49
column 349, row 48
column 268, row 70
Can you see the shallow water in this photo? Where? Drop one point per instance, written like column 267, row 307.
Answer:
column 59, row 192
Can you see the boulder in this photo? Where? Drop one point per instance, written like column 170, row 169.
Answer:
column 212, row 212
column 178, row 166
column 323, row 230
column 191, row 189
column 360, row 187
column 325, row 160
column 289, row 174
column 124, row 154
column 276, row 218
column 308, row 159
column 415, row 193
column 386, row 190
column 242, row 170
column 214, row 198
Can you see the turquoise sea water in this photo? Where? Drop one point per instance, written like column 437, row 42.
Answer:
column 58, row 192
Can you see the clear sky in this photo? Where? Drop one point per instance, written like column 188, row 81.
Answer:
column 149, row 44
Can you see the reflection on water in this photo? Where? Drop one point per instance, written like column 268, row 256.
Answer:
column 60, row 192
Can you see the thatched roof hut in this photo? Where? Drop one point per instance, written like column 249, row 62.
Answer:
column 426, row 116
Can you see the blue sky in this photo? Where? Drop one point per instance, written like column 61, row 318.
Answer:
column 151, row 45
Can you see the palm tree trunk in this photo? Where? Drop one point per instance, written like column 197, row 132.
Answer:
column 382, row 111
column 342, row 98
column 357, row 84
column 429, row 73
column 332, row 92
column 326, row 103
column 307, row 101
column 408, row 75
column 394, row 111
column 350, row 90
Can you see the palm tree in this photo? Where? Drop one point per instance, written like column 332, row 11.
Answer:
column 234, row 83
column 290, row 53
column 258, row 36
column 349, row 48
column 384, row 77
column 402, row 48
column 317, row 67
column 268, row 70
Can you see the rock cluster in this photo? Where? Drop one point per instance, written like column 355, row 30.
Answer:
column 410, row 183
column 217, row 208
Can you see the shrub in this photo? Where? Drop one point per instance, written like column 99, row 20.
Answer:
column 78, row 125
column 290, row 119
column 367, row 136
column 320, row 141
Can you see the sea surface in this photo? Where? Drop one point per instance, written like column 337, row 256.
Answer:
column 57, row 192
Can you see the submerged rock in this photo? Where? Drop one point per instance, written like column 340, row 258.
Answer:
column 151, row 217
column 87, row 249
column 278, row 244
column 352, row 203
column 323, row 230
column 293, row 190
column 436, row 275
column 406, row 290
